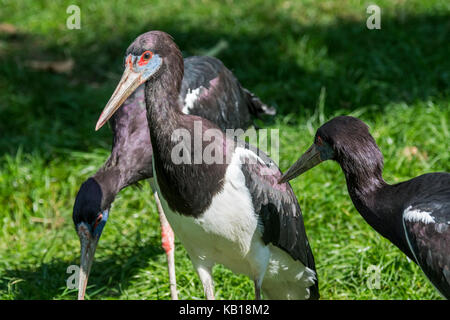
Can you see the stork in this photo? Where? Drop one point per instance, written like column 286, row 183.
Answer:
column 414, row 215
column 209, row 90
column 230, row 210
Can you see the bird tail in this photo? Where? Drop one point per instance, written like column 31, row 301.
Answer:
column 314, row 289
column 256, row 106
column 288, row 279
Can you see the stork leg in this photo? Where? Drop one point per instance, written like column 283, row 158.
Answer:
column 259, row 258
column 168, row 244
column 205, row 275
column 258, row 283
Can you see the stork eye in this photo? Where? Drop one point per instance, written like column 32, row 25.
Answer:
column 319, row 141
column 98, row 220
column 145, row 57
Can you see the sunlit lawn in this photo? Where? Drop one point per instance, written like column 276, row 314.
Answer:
column 311, row 59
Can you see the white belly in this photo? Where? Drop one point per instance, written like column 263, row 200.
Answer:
column 227, row 232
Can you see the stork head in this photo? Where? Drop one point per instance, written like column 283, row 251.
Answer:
column 346, row 140
column 146, row 59
column 89, row 218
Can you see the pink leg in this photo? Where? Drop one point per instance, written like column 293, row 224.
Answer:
column 168, row 244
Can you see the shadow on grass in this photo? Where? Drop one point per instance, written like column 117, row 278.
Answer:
column 108, row 275
column 286, row 65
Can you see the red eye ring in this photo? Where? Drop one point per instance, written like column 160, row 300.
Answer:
column 319, row 141
column 99, row 219
column 145, row 58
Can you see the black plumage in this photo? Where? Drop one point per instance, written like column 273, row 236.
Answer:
column 229, row 105
column 414, row 215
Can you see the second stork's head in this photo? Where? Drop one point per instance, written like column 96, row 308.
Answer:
column 89, row 217
column 347, row 141
column 152, row 58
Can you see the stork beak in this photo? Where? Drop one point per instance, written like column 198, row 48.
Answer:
column 88, row 246
column 88, row 243
column 135, row 74
column 308, row 160
column 129, row 82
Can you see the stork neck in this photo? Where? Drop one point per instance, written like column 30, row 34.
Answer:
column 163, row 112
column 363, row 193
column 179, row 183
column 362, row 186
column 363, row 169
column 110, row 180
column 375, row 200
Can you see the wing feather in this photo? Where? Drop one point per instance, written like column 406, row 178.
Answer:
column 276, row 205
column 428, row 235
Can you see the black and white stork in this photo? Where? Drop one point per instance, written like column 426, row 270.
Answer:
column 228, row 207
column 209, row 90
column 414, row 215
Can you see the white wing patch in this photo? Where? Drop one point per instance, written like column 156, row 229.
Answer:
column 417, row 215
column 247, row 154
column 191, row 97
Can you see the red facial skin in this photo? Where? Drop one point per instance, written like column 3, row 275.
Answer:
column 143, row 61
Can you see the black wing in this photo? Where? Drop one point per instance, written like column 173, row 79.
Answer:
column 427, row 226
column 211, row 91
column 277, row 207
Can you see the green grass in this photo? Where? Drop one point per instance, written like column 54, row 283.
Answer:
column 311, row 59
